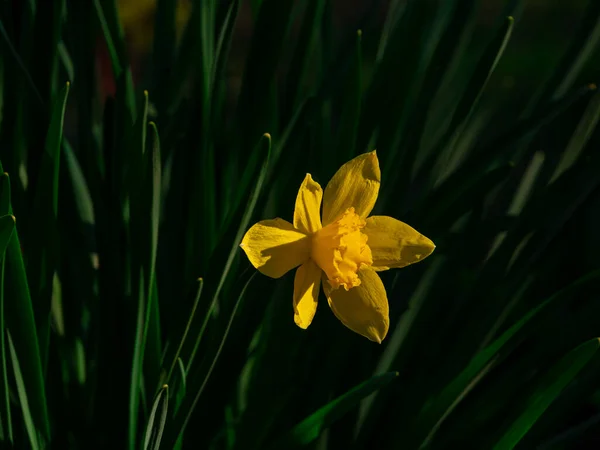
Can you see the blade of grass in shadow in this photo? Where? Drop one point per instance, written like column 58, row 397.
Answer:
column 580, row 137
column 310, row 428
column 5, row 413
column 450, row 47
column 155, row 428
column 19, row 318
column 549, row 387
column 7, row 226
column 149, row 201
column 43, row 231
column 296, row 78
column 176, row 358
column 32, row 432
column 188, row 406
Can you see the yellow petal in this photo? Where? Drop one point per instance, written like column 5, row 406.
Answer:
column 307, row 217
column 274, row 247
column 364, row 308
column 306, row 293
column 395, row 244
column 355, row 184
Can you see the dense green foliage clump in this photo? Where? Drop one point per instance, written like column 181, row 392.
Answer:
column 129, row 317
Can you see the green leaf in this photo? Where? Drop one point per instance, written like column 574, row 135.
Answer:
column 83, row 198
column 155, row 428
column 182, row 419
column 148, row 200
column 549, row 387
column 310, row 428
column 20, row 319
column 22, row 392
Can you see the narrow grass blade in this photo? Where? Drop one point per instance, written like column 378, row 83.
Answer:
column 5, row 413
column 188, row 407
column 47, row 193
column 181, row 385
column 302, row 53
column 149, row 204
column 156, row 425
column 22, row 391
column 470, row 98
column 20, row 319
column 310, row 428
column 20, row 63
column 224, row 44
column 580, row 136
column 581, row 48
column 450, row 47
column 549, row 387
column 83, row 197
column 176, row 358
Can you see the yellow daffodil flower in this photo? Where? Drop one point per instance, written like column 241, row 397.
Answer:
column 343, row 249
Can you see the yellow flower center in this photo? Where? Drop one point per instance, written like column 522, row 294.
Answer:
column 340, row 249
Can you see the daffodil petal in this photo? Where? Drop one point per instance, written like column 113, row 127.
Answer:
column 307, row 217
column 395, row 244
column 364, row 308
column 274, row 247
column 355, row 184
column 306, row 293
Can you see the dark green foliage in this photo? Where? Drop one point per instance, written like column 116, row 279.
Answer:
column 130, row 318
